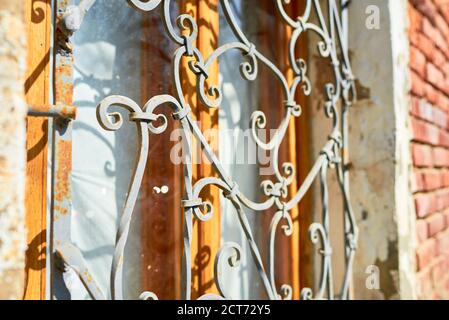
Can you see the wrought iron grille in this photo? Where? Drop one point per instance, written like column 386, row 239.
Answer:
column 340, row 93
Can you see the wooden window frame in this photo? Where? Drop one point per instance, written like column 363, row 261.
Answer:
column 37, row 84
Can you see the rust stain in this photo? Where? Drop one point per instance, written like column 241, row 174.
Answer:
column 65, row 111
column 64, row 80
column 64, row 97
column 64, row 69
column 89, row 278
column 63, row 152
column 59, row 210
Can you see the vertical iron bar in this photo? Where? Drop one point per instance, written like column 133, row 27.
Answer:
column 345, row 146
column 61, row 206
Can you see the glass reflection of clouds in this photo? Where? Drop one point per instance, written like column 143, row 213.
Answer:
column 107, row 59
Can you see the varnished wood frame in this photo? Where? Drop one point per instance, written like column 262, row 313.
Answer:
column 38, row 19
column 206, row 236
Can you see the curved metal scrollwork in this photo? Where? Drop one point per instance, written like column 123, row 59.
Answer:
column 339, row 96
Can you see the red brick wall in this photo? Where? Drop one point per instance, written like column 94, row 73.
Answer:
column 429, row 68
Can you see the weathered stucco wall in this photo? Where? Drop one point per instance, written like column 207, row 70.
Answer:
column 12, row 149
column 381, row 173
column 379, row 151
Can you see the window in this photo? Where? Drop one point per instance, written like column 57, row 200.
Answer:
column 125, row 210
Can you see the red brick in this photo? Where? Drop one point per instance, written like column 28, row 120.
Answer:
column 424, row 279
column 425, row 205
column 443, row 243
column 422, row 155
column 418, row 61
column 431, row 93
column 446, row 216
column 441, row 43
column 441, row 24
column 427, row 8
column 441, row 177
column 439, row 59
column 428, row 29
column 440, row 157
column 445, row 86
column 414, row 38
column 414, row 106
column 438, row 270
column 444, row 138
column 439, row 117
column 442, row 200
column 443, row 7
column 418, row 182
column 433, row 33
column 431, row 180
column 426, row 46
column 426, row 133
column 434, row 75
column 445, row 179
column 421, row 230
column 425, row 110
column 435, row 295
column 445, row 69
column 438, row 276
column 443, row 102
column 446, row 288
column 418, row 85
column 436, row 223
column 425, row 253
column 415, row 19
column 443, row 105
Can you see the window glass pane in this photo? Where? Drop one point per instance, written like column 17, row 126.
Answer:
column 107, row 61
column 245, row 162
column 239, row 101
column 121, row 51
